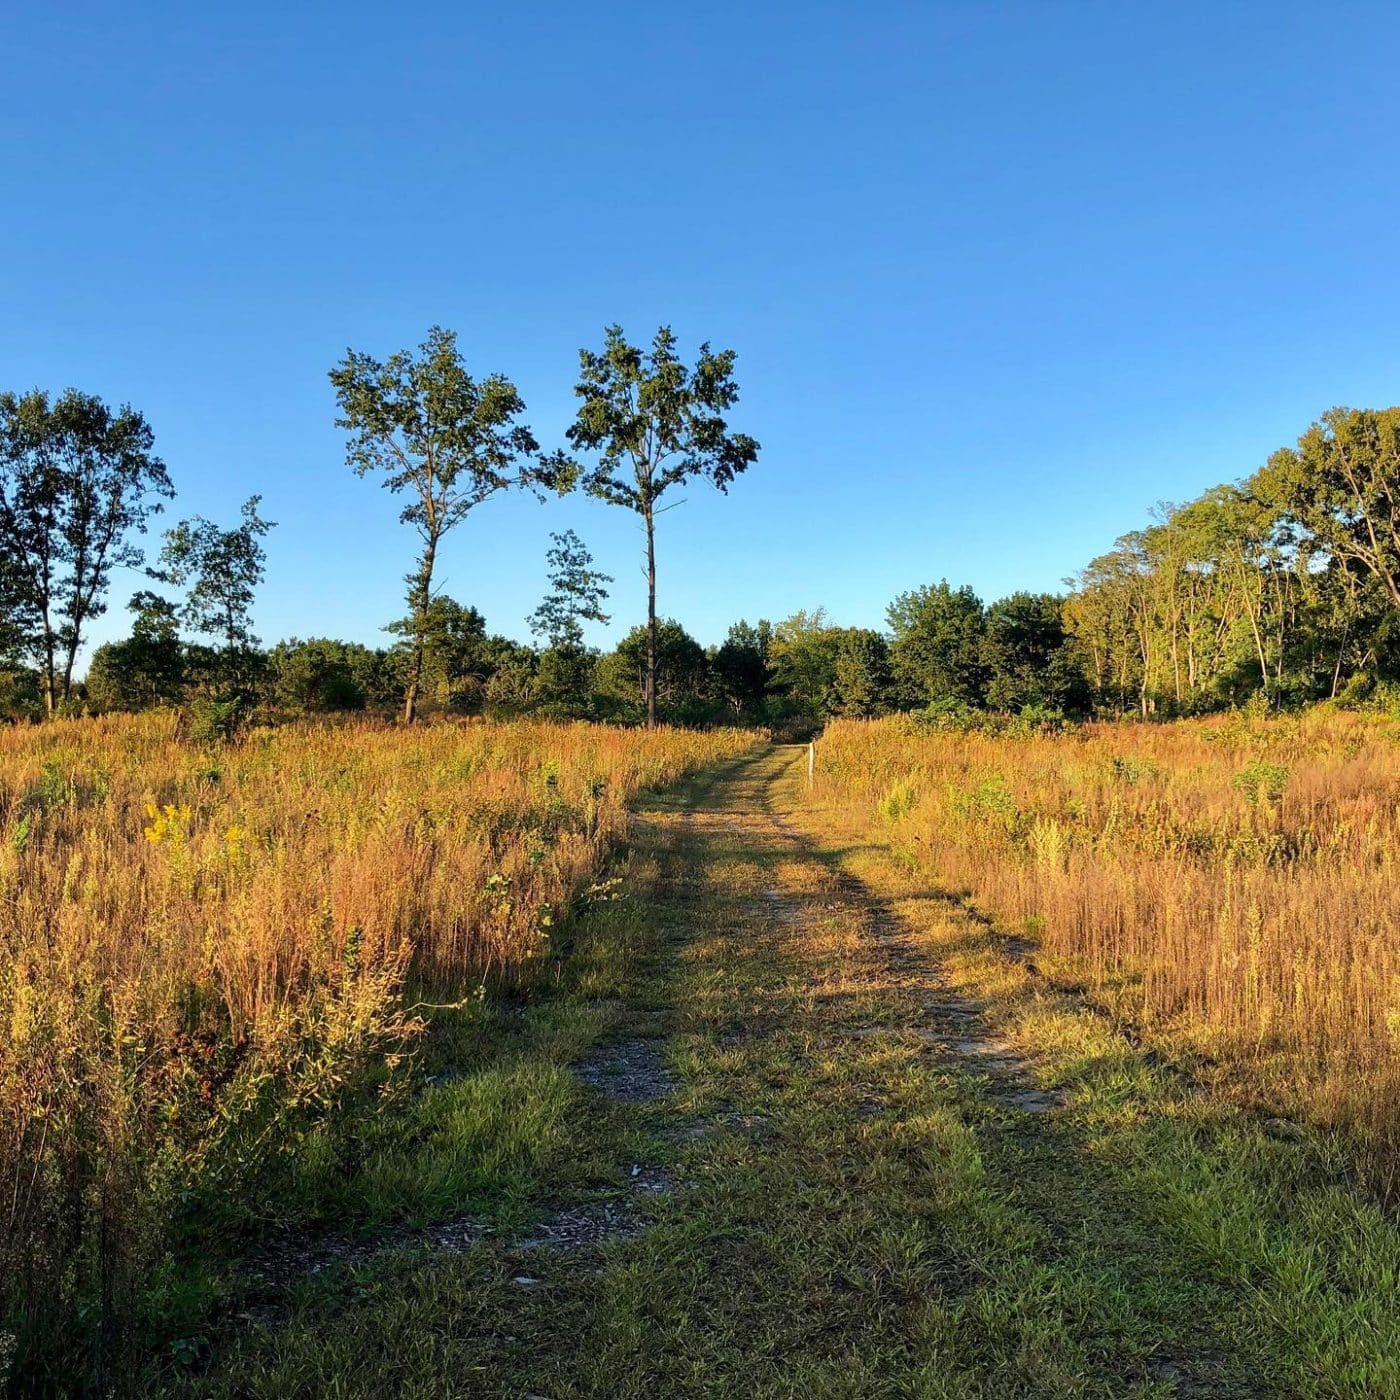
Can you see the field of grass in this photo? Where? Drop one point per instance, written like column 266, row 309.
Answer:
column 858, row 1200
column 217, row 963
column 1225, row 888
column 989, row 1065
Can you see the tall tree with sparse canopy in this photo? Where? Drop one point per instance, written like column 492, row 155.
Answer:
column 77, row 481
column 223, row 569
column 576, row 593
column 655, row 424
column 443, row 439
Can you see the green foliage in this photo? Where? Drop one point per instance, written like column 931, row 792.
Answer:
column 803, row 651
column 443, row 440
column 1260, row 780
column 147, row 669
column 19, row 693
column 576, row 594
column 460, row 659
column 322, row 674
column 947, row 714
column 991, row 801
column 77, row 481
column 1283, row 586
column 654, row 425
column 222, row 569
column 741, row 667
column 682, row 669
column 1340, row 490
column 216, row 721
column 1131, row 770
column 510, row 688
column 936, row 652
column 861, row 677
column 564, row 679
column 1031, row 663
column 899, row 800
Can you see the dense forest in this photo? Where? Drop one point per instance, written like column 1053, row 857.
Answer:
column 1277, row 590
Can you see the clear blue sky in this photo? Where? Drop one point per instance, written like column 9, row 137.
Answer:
column 1000, row 275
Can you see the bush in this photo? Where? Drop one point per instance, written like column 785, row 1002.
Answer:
column 1261, row 780
column 215, row 721
column 898, row 802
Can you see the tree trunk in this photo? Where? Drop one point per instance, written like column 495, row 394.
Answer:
column 651, row 618
column 69, row 662
column 50, row 676
column 415, row 673
column 419, row 597
column 1337, row 669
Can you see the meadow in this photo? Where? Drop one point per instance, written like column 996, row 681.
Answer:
column 208, row 949
column 1225, row 889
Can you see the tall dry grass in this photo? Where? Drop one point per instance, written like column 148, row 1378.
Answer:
column 202, row 947
column 1230, row 883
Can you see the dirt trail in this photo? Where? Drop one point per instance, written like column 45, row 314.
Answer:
column 897, row 977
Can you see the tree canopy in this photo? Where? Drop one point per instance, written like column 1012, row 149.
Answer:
column 444, row 440
column 654, row 424
column 78, row 481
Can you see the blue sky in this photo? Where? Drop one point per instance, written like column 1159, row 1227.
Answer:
column 1000, row 276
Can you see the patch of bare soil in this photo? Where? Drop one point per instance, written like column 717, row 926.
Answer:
column 598, row 1222
column 630, row 1071
column 286, row 1261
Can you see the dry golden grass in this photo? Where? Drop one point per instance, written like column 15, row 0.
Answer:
column 202, row 948
column 1228, row 885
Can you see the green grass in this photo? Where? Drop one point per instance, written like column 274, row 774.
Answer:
column 856, row 1215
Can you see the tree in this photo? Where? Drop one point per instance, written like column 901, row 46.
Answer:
column 77, row 480
column 681, row 671
column 1341, row 485
column 861, row 683
column 803, row 651
column 19, row 693
column 741, row 666
column 510, row 687
column 454, row 653
column 576, row 594
column 1102, row 615
column 222, row 569
column 563, row 678
column 147, row 668
column 322, row 674
column 16, row 612
column 1030, row 659
column 936, row 653
column 19, row 684
column 444, row 439
column 656, row 425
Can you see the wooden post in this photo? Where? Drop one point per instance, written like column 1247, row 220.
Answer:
column 811, row 761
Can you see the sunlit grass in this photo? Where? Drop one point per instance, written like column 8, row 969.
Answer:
column 863, row 1213
column 1224, row 886
column 204, row 950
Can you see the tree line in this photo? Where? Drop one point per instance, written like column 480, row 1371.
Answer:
column 1281, row 589
column 1284, row 586
column 80, row 484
